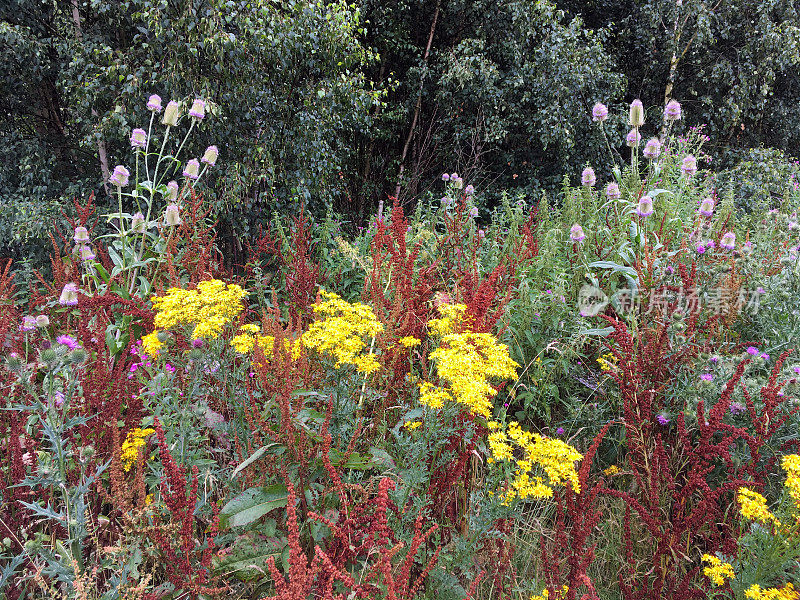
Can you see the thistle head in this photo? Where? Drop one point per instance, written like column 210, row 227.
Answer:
column 171, row 114
column 599, row 112
column 636, row 116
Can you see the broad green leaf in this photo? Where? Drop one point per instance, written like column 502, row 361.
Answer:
column 252, row 504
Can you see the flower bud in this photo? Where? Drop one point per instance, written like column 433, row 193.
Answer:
column 457, row 182
column 48, row 356
column 652, row 149
column 672, row 111
column 138, row 138
column 636, row 114
column 154, row 103
column 728, row 241
column 198, row 110
column 645, row 207
column 689, row 165
column 445, row 177
column 81, row 235
column 576, row 234
column 87, row 253
column 172, row 191
column 78, row 356
column 42, row 320
column 633, row 138
column 191, row 171
column 210, row 156
column 707, row 207
column 469, row 190
column 120, row 176
column 172, row 215
column 588, row 177
column 171, row 114
column 473, row 212
column 137, row 223
column 612, row 191
column 69, row 295
column 28, row 323
column 599, row 112
column 445, row 200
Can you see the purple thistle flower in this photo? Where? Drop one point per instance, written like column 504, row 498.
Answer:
column 138, row 138
column 612, row 191
column 445, row 200
column 707, row 207
column 752, row 351
column 576, row 234
column 445, row 177
column 706, row 378
column 599, row 112
column 469, row 190
column 588, row 177
column 191, row 171
column 663, row 420
column 28, row 323
column 473, row 212
column 714, row 360
column 560, row 431
column 154, row 103
column 58, row 399
column 728, row 241
column 764, row 356
column 197, row 343
column 672, row 111
column 633, row 138
column 81, row 235
column 652, row 149
column 198, row 110
column 700, row 249
column 736, row 408
column 645, row 207
column 119, row 177
column 69, row 295
column 68, row 341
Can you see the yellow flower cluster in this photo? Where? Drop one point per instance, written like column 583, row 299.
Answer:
column 717, row 570
column 608, row 362
column 412, row 425
column 611, row 471
column 452, row 317
column 791, row 464
column 209, row 308
column 787, row 592
column 130, row 447
column 409, row 341
column 342, row 331
column 545, row 595
column 753, row 506
column 467, row 362
column 554, row 457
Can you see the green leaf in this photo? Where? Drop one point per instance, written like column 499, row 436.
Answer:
column 247, row 559
column 253, row 458
column 252, row 504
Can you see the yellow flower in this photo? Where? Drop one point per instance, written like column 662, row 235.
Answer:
column 412, row 425
column 341, row 332
column 243, row 343
column 787, row 592
column 608, row 362
column 717, row 571
column 130, row 447
column 612, row 470
column 151, row 344
column 545, row 595
column 452, row 317
column 433, row 396
column 250, row 328
column 753, row 506
column 409, row 341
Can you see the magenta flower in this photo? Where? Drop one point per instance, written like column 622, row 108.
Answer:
column 68, row 341
column 706, row 378
column 663, row 420
column 192, row 169
column 560, row 431
column 736, row 408
column 28, row 323
column 633, row 138
column 576, row 234
column 473, row 212
column 752, row 351
column 612, row 191
column 197, row 343
column 445, row 177
column 599, row 112
column 701, row 249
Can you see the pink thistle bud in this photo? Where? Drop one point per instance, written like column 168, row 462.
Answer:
column 120, row 176
column 154, row 103
column 652, row 149
column 576, row 234
column 672, row 111
column 172, row 191
column 171, row 114
column 707, row 207
column 612, row 191
column 645, row 207
column 138, row 138
column 689, row 165
column 81, row 235
column 28, row 323
column 633, row 138
column 69, row 295
column 636, row 114
column 445, row 177
column 588, row 177
column 172, row 215
column 191, row 171
column 198, row 110
column 599, row 112
column 210, row 156
column 728, row 241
